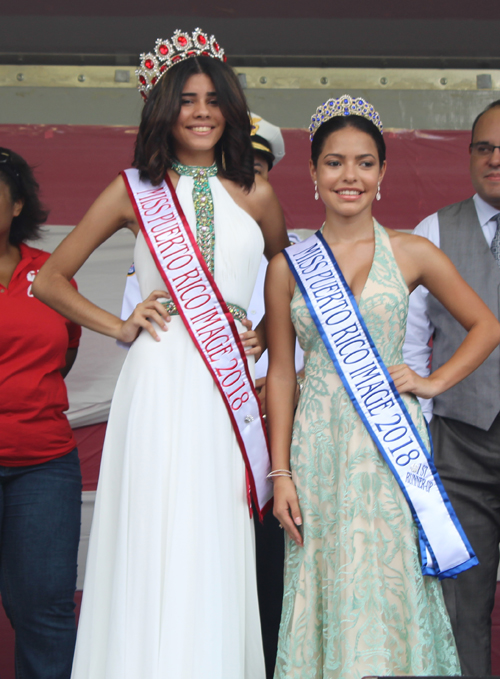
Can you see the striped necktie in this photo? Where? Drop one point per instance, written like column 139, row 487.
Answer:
column 495, row 243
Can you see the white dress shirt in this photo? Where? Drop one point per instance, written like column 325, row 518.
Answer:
column 419, row 330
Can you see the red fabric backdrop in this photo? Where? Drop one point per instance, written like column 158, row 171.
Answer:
column 426, row 170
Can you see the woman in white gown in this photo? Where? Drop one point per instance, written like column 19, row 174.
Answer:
column 170, row 581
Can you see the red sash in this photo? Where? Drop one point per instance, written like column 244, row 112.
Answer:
column 207, row 319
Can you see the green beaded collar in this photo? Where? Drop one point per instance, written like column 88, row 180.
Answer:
column 205, row 230
column 203, row 207
column 193, row 170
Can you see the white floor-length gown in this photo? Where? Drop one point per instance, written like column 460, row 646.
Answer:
column 170, row 589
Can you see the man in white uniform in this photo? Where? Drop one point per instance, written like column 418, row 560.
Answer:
column 269, row 149
column 465, row 420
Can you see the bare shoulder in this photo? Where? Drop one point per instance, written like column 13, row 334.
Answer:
column 261, row 190
column 113, row 209
column 117, row 193
column 410, row 243
column 278, row 265
column 418, row 259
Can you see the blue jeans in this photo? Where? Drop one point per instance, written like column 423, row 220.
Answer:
column 40, row 507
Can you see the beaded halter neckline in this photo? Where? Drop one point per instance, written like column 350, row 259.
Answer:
column 205, row 228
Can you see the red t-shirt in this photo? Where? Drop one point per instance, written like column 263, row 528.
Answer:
column 33, row 344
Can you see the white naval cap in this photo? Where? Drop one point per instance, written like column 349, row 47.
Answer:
column 267, row 139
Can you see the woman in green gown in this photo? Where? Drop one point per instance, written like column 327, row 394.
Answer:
column 356, row 602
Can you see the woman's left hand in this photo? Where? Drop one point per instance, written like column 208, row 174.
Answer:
column 250, row 340
column 407, row 381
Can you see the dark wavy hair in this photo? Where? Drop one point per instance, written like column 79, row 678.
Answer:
column 338, row 123
column 18, row 176
column 154, row 148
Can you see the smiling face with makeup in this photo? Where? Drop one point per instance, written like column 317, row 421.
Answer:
column 348, row 172
column 200, row 123
column 485, row 170
column 196, row 114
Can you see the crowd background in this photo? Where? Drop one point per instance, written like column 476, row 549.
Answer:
column 64, row 108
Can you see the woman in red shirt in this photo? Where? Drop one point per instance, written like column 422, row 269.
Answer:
column 40, row 480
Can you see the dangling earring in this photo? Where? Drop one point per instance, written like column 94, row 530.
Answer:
column 379, row 195
column 316, row 194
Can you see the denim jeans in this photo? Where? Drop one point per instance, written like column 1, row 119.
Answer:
column 40, row 509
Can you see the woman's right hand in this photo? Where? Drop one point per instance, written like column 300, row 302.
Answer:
column 143, row 315
column 286, row 507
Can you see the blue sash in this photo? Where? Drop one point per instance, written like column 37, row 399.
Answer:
column 445, row 550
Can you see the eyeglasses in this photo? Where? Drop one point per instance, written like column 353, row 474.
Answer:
column 481, row 148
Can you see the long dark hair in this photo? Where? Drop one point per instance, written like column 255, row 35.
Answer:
column 338, row 123
column 154, row 148
column 18, row 176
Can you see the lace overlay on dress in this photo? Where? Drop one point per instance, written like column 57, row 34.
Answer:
column 355, row 601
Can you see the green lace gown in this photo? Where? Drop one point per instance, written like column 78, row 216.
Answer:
column 355, row 601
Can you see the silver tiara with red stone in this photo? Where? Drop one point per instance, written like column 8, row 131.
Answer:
column 344, row 106
column 167, row 53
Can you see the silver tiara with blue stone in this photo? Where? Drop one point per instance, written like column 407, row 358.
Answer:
column 344, row 106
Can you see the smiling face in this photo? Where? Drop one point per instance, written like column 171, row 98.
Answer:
column 485, row 170
column 348, row 172
column 200, row 123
